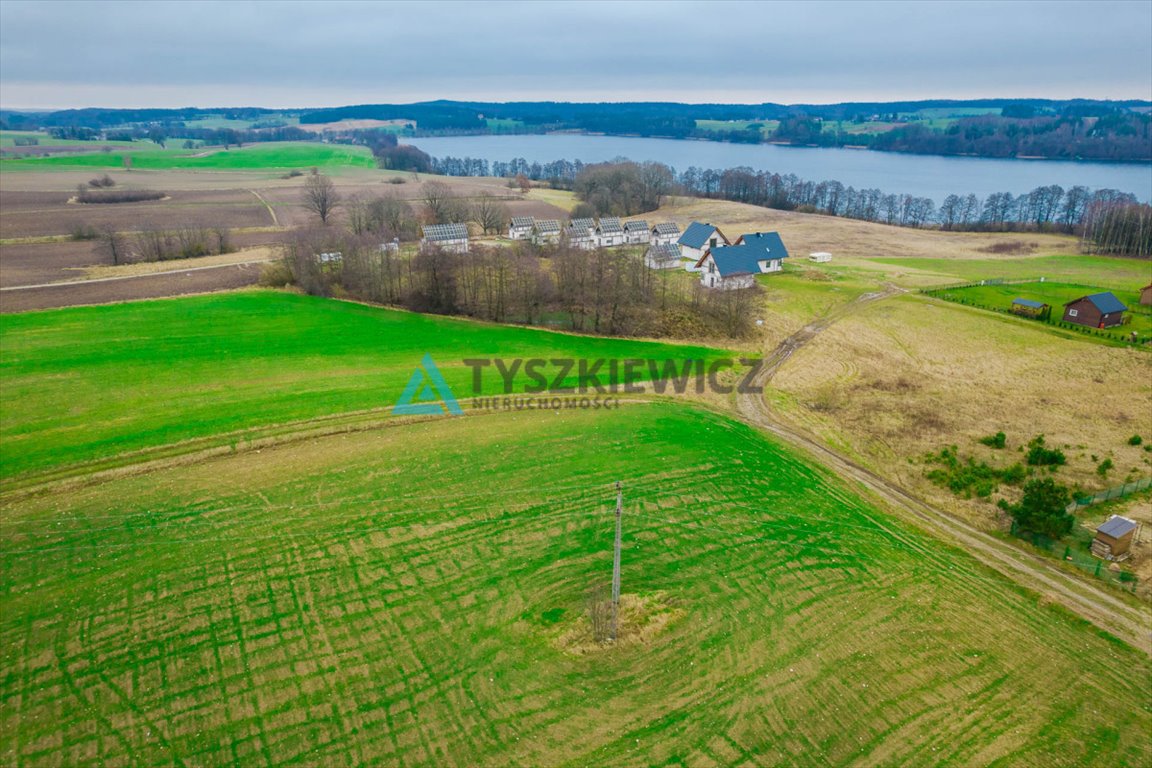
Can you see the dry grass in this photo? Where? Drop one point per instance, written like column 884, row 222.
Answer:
column 909, row 375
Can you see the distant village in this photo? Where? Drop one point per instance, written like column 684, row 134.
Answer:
column 701, row 248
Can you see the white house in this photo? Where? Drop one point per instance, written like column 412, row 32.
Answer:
column 449, row 237
column 636, row 232
column 609, row 232
column 697, row 239
column 662, row 256
column 545, row 231
column 736, row 265
column 521, row 227
column 577, row 235
column 392, row 246
column 820, row 257
column 665, row 232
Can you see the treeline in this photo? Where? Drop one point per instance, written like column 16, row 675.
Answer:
column 157, row 244
column 603, row 291
column 1121, row 136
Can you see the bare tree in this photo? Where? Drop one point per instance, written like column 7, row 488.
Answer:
column 490, row 213
column 320, row 196
column 442, row 204
column 112, row 245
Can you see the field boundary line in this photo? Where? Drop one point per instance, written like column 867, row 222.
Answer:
column 89, row 281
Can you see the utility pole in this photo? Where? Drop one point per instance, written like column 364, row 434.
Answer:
column 616, row 565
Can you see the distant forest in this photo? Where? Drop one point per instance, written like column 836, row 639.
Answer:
column 1071, row 129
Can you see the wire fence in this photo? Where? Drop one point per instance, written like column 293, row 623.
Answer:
column 1118, row 492
column 1078, row 555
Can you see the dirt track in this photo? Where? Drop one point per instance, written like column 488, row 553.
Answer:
column 1098, row 605
column 109, row 290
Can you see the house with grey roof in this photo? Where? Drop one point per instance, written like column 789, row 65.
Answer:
column 449, row 237
column 698, row 238
column 665, row 232
column 636, row 232
column 521, row 227
column 662, row 256
column 609, row 232
column 545, row 231
column 736, row 265
column 579, row 236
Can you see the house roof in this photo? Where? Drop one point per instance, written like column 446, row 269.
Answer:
column 610, row 225
column 745, row 258
column 585, row 223
column 664, row 252
column 547, row 226
column 442, row 232
column 635, row 226
column 1105, row 302
column 697, row 235
column 1029, row 303
column 769, row 242
column 522, row 221
column 1116, row 526
column 666, row 228
column 574, row 230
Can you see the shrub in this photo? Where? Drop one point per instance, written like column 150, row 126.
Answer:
column 965, row 477
column 101, row 181
column 276, row 274
column 109, row 196
column 1104, row 467
column 1135, row 440
column 994, row 441
column 1127, row 577
column 84, row 232
column 1043, row 508
column 1040, row 455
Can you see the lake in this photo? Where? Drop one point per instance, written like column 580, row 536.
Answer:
column 922, row 175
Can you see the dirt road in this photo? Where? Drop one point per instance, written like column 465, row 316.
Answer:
column 1122, row 618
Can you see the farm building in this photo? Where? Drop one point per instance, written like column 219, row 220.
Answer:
column 697, row 239
column 735, row 266
column 393, row 246
column 1146, row 295
column 609, row 232
column 1114, row 538
column 820, row 257
column 662, row 256
column 579, row 236
column 665, row 232
column 545, row 231
column 636, row 232
column 521, row 227
column 1030, row 308
column 332, row 257
column 1097, row 310
column 450, row 237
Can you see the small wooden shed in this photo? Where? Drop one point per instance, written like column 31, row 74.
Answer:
column 1146, row 295
column 1030, row 308
column 1114, row 538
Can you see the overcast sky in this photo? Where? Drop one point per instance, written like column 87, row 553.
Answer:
column 58, row 53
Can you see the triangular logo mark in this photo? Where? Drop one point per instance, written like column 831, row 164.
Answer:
column 427, row 394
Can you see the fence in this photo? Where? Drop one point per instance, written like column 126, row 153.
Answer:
column 1078, row 555
column 1121, row 337
column 1112, row 493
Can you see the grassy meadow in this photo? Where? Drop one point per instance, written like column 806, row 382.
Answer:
column 271, row 155
column 416, row 595
column 92, row 383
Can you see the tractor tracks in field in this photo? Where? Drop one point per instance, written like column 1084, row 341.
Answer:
column 1131, row 623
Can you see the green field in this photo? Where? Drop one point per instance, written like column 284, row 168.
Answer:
column 94, row 382
column 253, row 156
column 1118, row 273
column 8, row 141
column 414, row 596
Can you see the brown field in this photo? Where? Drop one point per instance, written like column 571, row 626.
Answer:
column 35, row 263
column 106, row 291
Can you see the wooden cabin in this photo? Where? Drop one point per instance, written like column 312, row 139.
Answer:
column 1146, row 295
column 1097, row 310
column 1114, row 538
